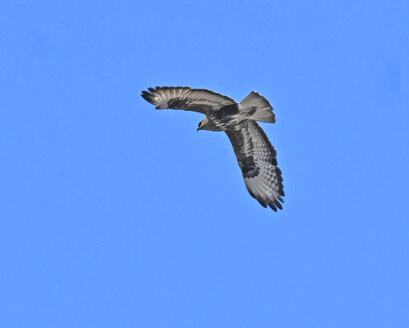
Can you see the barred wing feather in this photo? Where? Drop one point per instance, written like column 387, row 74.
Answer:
column 257, row 160
column 197, row 100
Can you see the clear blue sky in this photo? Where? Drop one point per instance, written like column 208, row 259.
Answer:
column 117, row 215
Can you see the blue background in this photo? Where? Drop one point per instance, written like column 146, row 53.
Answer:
column 117, row 215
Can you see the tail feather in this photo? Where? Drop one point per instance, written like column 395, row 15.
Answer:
column 257, row 108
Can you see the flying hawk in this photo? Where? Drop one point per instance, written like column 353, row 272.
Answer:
column 255, row 154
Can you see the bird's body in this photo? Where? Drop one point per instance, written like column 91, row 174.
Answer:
column 255, row 154
column 225, row 118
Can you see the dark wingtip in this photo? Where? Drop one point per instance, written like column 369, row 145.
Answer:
column 278, row 204
column 273, row 207
column 262, row 202
column 147, row 96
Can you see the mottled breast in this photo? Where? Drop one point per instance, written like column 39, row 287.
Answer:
column 225, row 117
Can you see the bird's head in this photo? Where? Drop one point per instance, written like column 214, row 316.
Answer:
column 202, row 124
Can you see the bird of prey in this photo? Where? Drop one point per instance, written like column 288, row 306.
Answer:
column 255, row 154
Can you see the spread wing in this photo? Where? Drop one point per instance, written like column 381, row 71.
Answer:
column 258, row 163
column 197, row 100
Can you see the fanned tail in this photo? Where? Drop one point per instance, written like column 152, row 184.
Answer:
column 257, row 108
